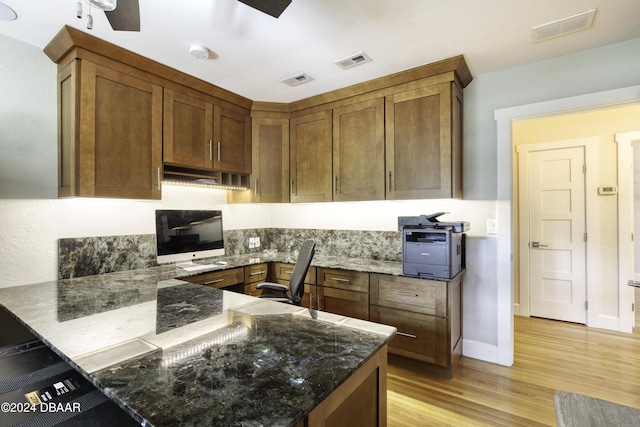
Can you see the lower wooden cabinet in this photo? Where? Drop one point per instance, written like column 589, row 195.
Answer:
column 419, row 336
column 220, row 279
column 110, row 136
column 427, row 315
column 253, row 276
column 345, row 303
column 343, row 292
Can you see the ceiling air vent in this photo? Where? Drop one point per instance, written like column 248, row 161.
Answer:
column 298, row 79
column 560, row 27
column 353, row 60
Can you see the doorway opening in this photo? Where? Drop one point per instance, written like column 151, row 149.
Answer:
column 587, row 287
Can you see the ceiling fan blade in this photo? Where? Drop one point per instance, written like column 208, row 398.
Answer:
column 126, row 16
column 270, row 7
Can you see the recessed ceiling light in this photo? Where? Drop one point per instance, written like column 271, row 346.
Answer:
column 298, row 79
column 6, row 13
column 560, row 27
column 353, row 60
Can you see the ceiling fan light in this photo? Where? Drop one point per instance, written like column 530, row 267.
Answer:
column 6, row 13
column 106, row 5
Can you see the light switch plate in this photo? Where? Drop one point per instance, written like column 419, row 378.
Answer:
column 492, row 226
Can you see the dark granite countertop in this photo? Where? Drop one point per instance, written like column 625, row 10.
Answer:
column 353, row 264
column 175, row 353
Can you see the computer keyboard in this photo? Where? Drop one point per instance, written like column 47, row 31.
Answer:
column 198, row 267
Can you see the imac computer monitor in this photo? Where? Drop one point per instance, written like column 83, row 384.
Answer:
column 183, row 236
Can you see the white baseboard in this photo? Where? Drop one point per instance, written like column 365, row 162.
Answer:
column 480, row 350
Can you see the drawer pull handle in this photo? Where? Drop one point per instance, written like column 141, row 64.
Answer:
column 213, row 281
column 257, row 273
column 339, row 279
column 288, row 272
column 406, row 294
column 404, row 334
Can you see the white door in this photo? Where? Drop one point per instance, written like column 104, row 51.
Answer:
column 557, row 233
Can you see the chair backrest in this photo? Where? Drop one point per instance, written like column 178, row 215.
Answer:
column 296, row 282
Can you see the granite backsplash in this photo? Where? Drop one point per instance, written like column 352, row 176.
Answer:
column 87, row 256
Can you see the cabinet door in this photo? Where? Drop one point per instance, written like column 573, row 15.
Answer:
column 358, row 151
column 342, row 302
column 232, row 141
column 270, row 165
column 419, row 143
column 310, row 158
column 419, row 336
column 119, row 134
column 188, row 130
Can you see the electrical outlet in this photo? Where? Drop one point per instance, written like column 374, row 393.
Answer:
column 254, row 242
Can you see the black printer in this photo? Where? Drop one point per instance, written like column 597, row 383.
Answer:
column 432, row 248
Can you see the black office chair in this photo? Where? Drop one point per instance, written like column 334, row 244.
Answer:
column 296, row 282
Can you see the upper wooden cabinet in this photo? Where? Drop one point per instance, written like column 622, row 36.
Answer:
column 201, row 135
column 110, row 133
column 232, row 140
column 423, row 134
column 310, row 158
column 111, row 129
column 188, row 130
column 270, row 165
column 358, row 151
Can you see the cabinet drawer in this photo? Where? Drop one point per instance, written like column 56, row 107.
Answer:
column 256, row 273
column 419, row 336
column 345, row 303
column 405, row 293
column 284, row 270
column 250, row 289
column 342, row 279
column 219, row 279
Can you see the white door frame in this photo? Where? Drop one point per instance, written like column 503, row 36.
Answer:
column 625, row 226
column 504, row 146
column 590, row 145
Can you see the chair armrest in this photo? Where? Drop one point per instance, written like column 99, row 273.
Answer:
column 273, row 286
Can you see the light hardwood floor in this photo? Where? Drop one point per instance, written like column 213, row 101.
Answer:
column 549, row 356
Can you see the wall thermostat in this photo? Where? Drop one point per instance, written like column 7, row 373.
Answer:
column 607, row 191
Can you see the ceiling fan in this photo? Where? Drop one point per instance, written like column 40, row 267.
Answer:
column 124, row 15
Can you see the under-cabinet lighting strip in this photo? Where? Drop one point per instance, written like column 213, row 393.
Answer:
column 203, row 185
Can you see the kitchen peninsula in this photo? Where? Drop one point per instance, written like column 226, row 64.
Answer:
column 176, row 353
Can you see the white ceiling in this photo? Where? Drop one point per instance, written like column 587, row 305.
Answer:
column 253, row 52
